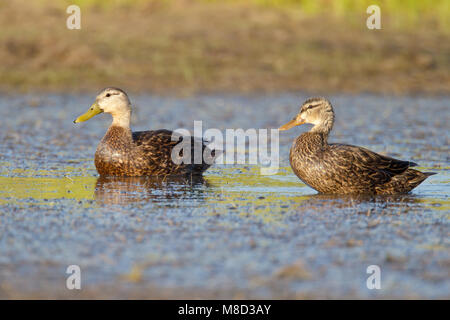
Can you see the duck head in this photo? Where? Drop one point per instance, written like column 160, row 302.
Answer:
column 110, row 100
column 316, row 111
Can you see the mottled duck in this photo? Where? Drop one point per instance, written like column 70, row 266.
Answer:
column 122, row 152
column 335, row 168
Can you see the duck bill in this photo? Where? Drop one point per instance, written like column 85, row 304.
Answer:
column 92, row 112
column 291, row 124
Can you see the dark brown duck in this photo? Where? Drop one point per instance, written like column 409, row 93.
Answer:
column 122, row 152
column 341, row 168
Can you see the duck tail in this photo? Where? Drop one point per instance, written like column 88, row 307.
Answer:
column 208, row 158
column 404, row 182
column 417, row 177
column 429, row 174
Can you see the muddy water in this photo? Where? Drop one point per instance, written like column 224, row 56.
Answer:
column 233, row 234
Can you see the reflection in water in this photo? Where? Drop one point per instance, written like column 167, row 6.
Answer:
column 123, row 190
column 361, row 202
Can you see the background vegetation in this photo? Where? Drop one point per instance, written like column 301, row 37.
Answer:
column 181, row 46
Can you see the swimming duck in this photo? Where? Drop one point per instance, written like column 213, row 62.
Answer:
column 341, row 168
column 122, row 152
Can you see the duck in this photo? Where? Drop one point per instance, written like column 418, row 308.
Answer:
column 336, row 168
column 124, row 153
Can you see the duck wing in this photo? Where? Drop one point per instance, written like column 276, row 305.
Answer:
column 158, row 145
column 366, row 163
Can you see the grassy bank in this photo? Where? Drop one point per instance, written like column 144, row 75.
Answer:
column 215, row 46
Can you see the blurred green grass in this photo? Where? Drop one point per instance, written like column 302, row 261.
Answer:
column 407, row 13
column 186, row 46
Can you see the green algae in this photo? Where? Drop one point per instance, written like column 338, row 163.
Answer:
column 45, row 189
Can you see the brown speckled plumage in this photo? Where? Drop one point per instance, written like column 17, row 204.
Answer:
column 340, row 168
column 122, row 152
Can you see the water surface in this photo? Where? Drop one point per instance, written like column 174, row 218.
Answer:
column 234, row 233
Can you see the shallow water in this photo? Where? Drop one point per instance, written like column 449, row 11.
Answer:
column 235, row 233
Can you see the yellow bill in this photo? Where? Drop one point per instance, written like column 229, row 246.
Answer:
column 93, row 111
column 290, row 124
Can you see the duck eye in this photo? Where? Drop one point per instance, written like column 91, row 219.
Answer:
column 108, row 95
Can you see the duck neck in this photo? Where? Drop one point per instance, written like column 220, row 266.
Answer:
column 119, row 130
column 324, row 127
column 121, row 119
